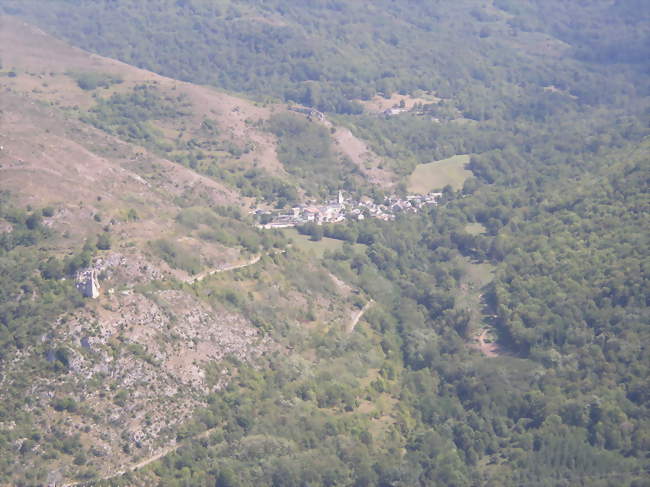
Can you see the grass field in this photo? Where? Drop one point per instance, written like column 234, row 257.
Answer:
column 318, row 248
column 438, row 174
column 468, row 296
column 304, row 243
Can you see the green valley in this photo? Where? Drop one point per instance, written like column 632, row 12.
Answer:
column 161, row 324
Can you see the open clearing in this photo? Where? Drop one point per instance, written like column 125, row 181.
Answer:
column 486, row 344
column 438, row 174
column 318, row 248
column 475, row 277
column 379, row 103
column 475, row 228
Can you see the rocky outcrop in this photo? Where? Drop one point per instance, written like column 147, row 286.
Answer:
column 87, row 283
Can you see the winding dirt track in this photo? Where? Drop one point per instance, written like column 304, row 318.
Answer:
column 358, row 316
column 142, row 463
column 231, row 267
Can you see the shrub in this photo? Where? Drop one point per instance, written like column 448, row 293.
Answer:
column 103, row 241
column 92, row 81
column 65, row 404
column 176, row 256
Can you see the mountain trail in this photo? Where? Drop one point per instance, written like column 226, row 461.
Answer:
column 357, row 317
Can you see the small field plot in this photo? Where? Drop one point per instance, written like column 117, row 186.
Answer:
column 475, row 228
column 438, row 174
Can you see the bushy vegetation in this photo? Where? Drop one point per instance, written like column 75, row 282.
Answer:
column 33, row 296
column 31, row 291
column 305, row 149
column 129, row 115
column 90, row 81
column 176, row 255
column 227, row 225
column 136, row 116
column 325, row 54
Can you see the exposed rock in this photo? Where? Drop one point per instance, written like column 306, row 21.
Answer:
column 128, row 269
column 87, row 283
column 152, row 358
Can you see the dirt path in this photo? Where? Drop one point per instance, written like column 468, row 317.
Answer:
column 358, row 316
column 488, row 349
column 231, row 267
column 142, row 463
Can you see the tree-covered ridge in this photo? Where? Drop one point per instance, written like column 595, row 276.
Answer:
column 327, row 54
column 582, row 260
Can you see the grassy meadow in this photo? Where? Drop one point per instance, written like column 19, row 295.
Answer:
column 438, row 174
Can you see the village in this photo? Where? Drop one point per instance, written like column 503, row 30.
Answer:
column 342, row 209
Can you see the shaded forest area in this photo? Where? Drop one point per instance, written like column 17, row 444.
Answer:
column 328, row 53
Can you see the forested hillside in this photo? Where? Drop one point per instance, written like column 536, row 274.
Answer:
column 497, row 338
column 328, row 53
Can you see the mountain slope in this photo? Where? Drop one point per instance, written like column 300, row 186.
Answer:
column 211, row 132
column 326, row 54
column 113, row 380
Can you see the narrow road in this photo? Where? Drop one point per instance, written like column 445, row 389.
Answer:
column 358, row 316
column 231, row 267
column 142, row 463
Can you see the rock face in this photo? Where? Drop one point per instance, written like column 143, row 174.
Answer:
column 87, row 283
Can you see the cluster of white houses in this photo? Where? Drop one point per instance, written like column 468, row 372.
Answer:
column 343, row 209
